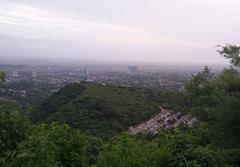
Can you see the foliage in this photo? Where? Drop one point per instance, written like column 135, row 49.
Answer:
column 126, row 152
column 24, row 144
column 177, row 149
column 97, row 110
column 72, row 150
column 36, row 151
column 184, row 150
column 14, row 128
column 104, row 110
column 2, row 76
column 231, row 52
column 58, row 144
column 216, row 100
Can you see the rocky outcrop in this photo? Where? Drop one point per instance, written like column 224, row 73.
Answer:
column 165, row 119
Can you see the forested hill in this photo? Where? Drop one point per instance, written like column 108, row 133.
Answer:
column 102, row 110
column 105, row 111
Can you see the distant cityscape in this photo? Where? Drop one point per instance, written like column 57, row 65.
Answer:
column 23, row 82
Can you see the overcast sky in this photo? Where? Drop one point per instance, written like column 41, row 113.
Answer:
column 119, row 30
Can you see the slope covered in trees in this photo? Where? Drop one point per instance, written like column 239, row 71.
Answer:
column 100, row 110
column 24, row 144
column 214, row 142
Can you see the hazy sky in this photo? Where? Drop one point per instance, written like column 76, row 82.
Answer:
column 119, row 30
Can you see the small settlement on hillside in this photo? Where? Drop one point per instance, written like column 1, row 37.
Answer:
column 165, row 119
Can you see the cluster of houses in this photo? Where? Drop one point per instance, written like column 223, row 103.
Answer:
column 165, row 119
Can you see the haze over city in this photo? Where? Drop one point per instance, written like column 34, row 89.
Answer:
column 185, row 31
column 119, row 83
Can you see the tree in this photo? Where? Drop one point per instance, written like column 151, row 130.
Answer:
column 216, row 100
column 231, row 52
column 125, row 152
column 199, row 92
column 14, row 128
column 184, row 150
column 53, row 145
column 2, row 76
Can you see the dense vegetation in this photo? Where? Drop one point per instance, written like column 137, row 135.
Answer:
column 213, row 142
column 25, row 144
column 2, row 76
column 55, row 144
column 101, row 110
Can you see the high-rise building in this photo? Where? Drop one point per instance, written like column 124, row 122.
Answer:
column 34, row 74
column 85, row 71
column 132, row 68
column 15, row 74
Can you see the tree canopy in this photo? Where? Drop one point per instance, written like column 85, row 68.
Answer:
column 2, row 76
column 231, row 52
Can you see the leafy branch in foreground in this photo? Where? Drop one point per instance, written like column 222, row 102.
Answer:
column 231, row 52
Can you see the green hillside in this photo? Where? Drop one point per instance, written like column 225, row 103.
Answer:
column 96, row 109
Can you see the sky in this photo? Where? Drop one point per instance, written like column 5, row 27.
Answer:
column 179, row 31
